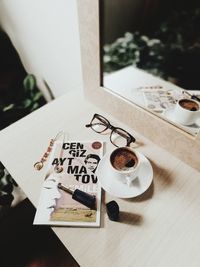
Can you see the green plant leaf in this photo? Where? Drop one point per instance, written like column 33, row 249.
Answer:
column 37, row 96
column 35, row 106
column 8, row 107
column 29, row 82
column 7, row 188
column 2, row 173
column 6, row 199
column 27, row 103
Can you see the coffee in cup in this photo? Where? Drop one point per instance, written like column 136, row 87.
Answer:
column 187, row 111
column 125, row 161
column 189, row 104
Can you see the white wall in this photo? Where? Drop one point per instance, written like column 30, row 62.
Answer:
column 45, row 34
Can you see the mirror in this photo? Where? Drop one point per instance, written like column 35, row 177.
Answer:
column 162, row 132
column 151, row 56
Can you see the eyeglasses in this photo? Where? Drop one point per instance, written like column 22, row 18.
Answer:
column 118, row 136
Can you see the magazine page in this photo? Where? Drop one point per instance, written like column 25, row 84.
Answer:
column 160, row 99
column 71, row 194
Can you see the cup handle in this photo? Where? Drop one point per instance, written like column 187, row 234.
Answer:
column 129, row 180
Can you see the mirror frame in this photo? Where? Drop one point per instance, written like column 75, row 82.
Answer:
column 163, row 133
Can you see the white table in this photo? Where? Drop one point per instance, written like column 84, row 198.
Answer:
column 159, row 228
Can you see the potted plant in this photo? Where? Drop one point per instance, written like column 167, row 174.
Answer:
column 171, row 52
column 28, row 99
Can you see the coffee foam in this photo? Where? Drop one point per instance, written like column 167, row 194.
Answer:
column 189, row 104
column 123, row 159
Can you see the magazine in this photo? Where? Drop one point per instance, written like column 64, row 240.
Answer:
column 160, row 99
column 71, row 194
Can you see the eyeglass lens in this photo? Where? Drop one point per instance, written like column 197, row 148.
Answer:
column 99, row 124
column 118, row 136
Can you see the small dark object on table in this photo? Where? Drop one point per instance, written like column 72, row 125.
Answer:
column 112, row 209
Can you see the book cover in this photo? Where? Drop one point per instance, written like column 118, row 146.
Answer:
column 70, row 184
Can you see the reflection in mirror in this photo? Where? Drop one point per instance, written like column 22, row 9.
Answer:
column 151, row 56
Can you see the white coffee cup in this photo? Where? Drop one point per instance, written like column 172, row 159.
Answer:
column 187, row 111
column 125, row 162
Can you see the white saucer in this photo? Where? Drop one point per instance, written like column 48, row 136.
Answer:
column 169, row 114
column 109, row 182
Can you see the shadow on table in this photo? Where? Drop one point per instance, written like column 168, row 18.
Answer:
column 162, row 175
column 130, row 218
